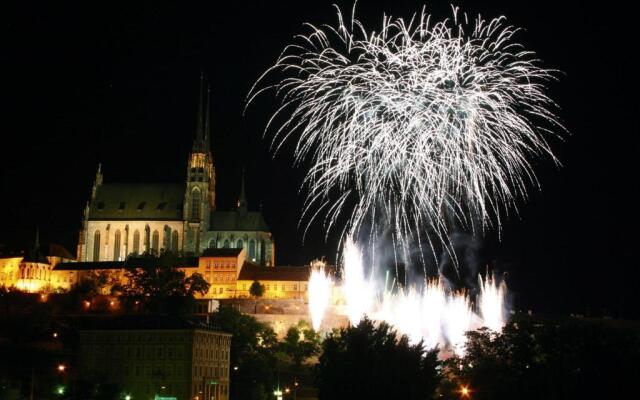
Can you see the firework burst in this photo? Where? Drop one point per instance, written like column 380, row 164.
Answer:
column 413, row 127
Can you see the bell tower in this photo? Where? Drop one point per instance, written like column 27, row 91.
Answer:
column 200, row 193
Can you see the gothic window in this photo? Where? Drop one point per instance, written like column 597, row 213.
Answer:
column 96, row 246
column 155, row 242
column 116, row 246
column 262, row 250
column 174, row 242
column 212, row 244
column 147, row 238
column 166, row 238
column 252, row 249
column 136, row 242
column 195, row 205
column 239, row 244
column 226, row 244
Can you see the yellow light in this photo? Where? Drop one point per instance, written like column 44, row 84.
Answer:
column 465, row 391
column 286, row 390
column 62, row 367
column 55, row 334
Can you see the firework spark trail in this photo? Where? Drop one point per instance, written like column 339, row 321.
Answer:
column 320, row 286
column 414, row 125
column 492, row 305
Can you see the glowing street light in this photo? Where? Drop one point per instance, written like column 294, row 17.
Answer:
column 465, row 392
column 62, row 367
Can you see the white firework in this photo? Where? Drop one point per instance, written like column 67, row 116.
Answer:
column 320, row 287
column 413, row 127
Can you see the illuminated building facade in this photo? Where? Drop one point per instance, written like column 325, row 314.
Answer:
column 35, row 272
column 121, row 219
column 174, row 360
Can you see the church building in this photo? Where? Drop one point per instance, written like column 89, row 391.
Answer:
column 123, row 219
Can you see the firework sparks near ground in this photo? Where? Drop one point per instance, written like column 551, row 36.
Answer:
column 320, row 286
column 416, row 125
column 434, row 315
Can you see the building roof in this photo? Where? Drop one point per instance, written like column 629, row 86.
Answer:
column 221, row 252
column 252, row 272
column 144, row 322
column 88, row 265
column 237, row 220
column 138, row 201
column 131, row 262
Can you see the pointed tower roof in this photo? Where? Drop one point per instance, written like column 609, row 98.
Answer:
column 242, row 200
column 35, row 255
column 207, row 122
column 203, row 125
column 198, row 143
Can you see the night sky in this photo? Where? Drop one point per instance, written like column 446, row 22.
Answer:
column 91, row 83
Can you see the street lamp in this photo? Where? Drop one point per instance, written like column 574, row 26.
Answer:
column 62, row 367
column 465, row 392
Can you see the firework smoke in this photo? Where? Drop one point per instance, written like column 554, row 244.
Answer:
column 414, row 126
column 435, row 315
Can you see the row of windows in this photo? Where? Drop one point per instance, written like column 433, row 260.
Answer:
column 220, row 278
column 209, row 371
column 239, row 244
column 282, row 287
column 151, row 243
column 220, row 265
column 121, row 206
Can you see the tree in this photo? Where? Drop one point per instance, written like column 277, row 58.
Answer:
column 256, row 290
column 557, row 360
column 301, row 343
column 162, row 287
column 371, row 362
column 253, row 352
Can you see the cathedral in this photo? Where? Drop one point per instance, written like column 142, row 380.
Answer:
column 123, row 219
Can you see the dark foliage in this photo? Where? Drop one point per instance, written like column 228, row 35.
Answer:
column 254, row 349
column 161, row 287
column 369, row 362
column 567, row 360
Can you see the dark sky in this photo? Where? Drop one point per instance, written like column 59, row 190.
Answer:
column 92, row 82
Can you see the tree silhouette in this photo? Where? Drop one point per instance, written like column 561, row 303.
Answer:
column 370, row 362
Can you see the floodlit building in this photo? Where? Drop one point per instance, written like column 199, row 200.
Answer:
column 157, row 358
column 34, row 271
column 121, row 219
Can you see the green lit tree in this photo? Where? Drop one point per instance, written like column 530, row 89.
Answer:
column 301, row 343
column 256, row 291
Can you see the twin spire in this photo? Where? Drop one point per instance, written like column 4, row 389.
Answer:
column 203, row 127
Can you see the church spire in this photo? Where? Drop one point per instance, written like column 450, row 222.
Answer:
column 207, row 121
column 242, row 200
column 198, row 143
